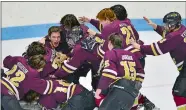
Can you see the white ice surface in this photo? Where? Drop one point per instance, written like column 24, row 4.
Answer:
column 160, row 70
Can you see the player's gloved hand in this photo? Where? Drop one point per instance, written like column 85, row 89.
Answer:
column 42, row 40
column 60, row 57
column 58, row 60
column 84, row 19
column 150, row 22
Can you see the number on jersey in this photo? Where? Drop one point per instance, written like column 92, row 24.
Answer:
column 19, row 76
column 129, row 68
column 127, row 31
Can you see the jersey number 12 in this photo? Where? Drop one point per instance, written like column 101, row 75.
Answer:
column 19, row 76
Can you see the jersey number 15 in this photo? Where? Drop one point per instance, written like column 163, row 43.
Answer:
column 129, row 68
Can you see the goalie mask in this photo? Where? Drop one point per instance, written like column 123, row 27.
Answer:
column 74, row 35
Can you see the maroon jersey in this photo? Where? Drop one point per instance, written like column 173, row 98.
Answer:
column 126, row 29
column 21, row 78
column 75, row 59
column 173, row 42
column 51, row 101
column 49, row 57
column 80, row 55
column 50, row 54
column 120, row 63
column 98, row 25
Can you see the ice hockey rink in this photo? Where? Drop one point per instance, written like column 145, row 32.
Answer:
column 160, row 70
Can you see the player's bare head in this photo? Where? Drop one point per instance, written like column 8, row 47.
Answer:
column 31, row 96
column 115, row 41
column 69, row 21
column 172, row 21
column 120, row 11
column 106, row 15
column 35, row 48
column 37, row 62
column 54, row 35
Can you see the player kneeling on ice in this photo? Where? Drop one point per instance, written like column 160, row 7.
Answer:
column 23, row 75
column 122, row 74
column 70, row 97
column 174, row 41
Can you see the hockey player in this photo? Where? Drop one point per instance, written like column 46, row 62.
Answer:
column 122, row 24
column 55, row 40
column 122, row 74
column 74, row 35
column 121, row 14
column 72, row 97
column 67, row 23
column 23, row 75
column 70, row 92
column 174, row 42
column 92, row 53
column 88, row 49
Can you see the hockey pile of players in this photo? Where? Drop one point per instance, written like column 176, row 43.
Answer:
column 46, row 76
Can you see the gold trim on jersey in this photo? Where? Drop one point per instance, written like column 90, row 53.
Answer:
column 10, row 87
column 51, row 87
column 181, row 107
column 136, row 101
column 63, row 83
column 72, row 90
column 67, row 70
column 163, row 34
column 153, row 49
column 108, row 75
column 139, row 79
column 7, row 86
column 99, row 53
column 184, row 40
column 135, row 50
column 100, row 27
column 180, row 68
